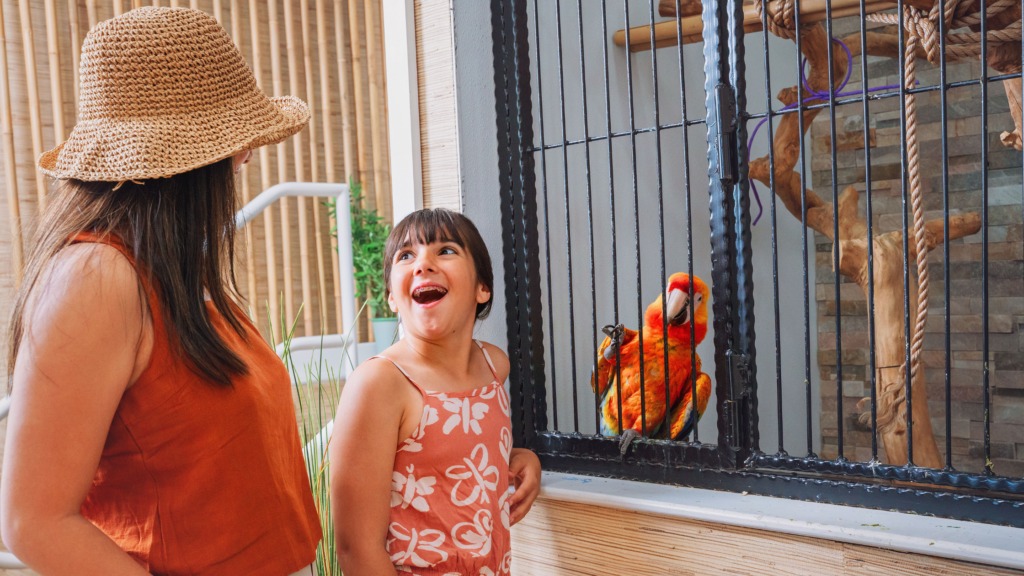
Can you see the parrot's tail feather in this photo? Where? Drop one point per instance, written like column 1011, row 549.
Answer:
column 607, row 430
column 688, row 426
column 609, row 425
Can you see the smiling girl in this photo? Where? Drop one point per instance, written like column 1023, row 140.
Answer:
column 421, row 455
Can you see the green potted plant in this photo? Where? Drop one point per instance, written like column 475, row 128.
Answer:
column 369, row 234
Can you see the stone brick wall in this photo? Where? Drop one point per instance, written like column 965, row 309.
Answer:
column 1005, row 263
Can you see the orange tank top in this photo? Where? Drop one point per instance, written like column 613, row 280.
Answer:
column 201, row 479
column 449, row 488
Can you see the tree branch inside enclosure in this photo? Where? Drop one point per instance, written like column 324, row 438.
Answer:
column 887, row 248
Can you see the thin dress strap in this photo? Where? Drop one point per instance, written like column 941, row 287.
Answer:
column 488, row 358
column 404, row 373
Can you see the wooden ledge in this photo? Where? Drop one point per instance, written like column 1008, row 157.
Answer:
column 953, row 539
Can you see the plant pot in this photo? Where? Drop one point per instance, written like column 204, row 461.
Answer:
column 384, row 332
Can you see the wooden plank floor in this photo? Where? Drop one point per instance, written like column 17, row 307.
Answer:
column 566, row 539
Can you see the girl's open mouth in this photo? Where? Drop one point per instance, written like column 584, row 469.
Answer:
column 428, row 294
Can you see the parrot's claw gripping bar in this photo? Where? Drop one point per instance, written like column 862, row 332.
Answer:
column 615, row 333
column 628, row 435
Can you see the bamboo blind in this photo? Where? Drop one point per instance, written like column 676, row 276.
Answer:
column 435, row 69
column 319, row 50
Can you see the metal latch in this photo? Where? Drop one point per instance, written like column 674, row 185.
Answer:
column 725, row 103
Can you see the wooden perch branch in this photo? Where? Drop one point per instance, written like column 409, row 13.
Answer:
column 851, row 246
column 667, row 8
column 666, row 33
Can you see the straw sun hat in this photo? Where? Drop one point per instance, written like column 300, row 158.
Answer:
column 165, row 91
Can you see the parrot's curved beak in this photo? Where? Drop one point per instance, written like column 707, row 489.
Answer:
column 678, row 309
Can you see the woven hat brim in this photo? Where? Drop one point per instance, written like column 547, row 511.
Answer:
column 103, row 153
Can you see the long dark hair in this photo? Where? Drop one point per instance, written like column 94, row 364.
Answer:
column 182, row 235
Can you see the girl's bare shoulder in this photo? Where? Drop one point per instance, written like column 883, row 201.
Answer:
column 376, row 379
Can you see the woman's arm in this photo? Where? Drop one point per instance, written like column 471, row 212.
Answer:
column 362, row 459
column 86, row 339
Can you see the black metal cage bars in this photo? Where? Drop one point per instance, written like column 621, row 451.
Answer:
column 552, row 298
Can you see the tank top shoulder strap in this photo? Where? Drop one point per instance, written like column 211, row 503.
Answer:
column 108, row 239
column 488, row 358
column 404, row 373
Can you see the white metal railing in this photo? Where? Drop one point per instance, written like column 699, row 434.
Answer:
column 336, row 342
column 331, row 347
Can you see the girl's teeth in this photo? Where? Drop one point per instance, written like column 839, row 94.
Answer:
column 428, row 294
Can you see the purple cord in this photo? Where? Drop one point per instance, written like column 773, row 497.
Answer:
column 815, row 95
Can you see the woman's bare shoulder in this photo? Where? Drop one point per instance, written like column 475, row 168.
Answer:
column 86, row 322
column 92, row 279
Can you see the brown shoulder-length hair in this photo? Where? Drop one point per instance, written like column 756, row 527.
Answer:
column 442, row 225
column 181, row 232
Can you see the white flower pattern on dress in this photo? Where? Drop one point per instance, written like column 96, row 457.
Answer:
column 412, row 443
column 505, row 444
column 498, row 390
column 449, row 494
column 466, row 413
column 475, row 535
column 484, row 477
column 426, row 541
column 406, row 490
column 506, row 513
column 503, row 401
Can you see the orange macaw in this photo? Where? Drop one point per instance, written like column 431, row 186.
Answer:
column 682, row 399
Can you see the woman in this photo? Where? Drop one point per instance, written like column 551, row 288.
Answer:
column 152, row 429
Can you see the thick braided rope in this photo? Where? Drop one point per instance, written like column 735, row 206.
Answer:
column 896, row 392
column 892, row 413
column 782, row 23
column 960, row 45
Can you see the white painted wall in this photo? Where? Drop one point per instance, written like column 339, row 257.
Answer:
column 478, row 151
column 399, row 23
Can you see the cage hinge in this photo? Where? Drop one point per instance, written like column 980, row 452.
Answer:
column 739, row 375
column 739, row 387
column 725, row 119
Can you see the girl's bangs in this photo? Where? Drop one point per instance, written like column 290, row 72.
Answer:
column 427, row 229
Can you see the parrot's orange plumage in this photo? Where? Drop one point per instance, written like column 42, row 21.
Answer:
column 684, row 407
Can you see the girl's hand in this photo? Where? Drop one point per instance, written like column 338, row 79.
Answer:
column 524, row 473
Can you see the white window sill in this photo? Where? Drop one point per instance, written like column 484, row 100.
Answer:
column 967, row 541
